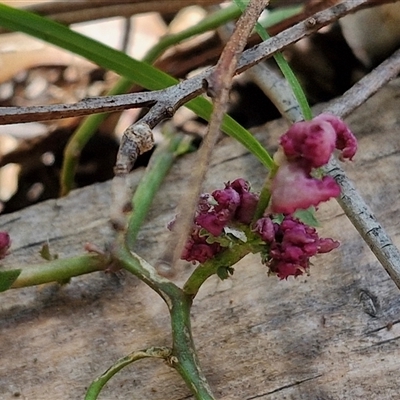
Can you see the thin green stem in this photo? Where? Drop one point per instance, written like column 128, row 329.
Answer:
column 160, row 163
column 209, row 23
column 139, row 267
column 156, row 170
column 265, row 195
column 184, row 357
column 279, row 13
column 98, row 384
column 226, row 258
column 264, row 199
column 59, row 270
column 295, row 85
column 285, row 68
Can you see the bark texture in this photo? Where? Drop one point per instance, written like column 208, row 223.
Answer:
column 331, row 335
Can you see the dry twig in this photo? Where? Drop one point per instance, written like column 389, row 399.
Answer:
column 73, row 12
column 218, row 86
column 350, row 200
column 70, row 12
column 175, row 96
column 164, row 103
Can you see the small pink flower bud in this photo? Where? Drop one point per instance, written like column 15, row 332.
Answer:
column 327, row 245
column 227, row 198
column 283, row 269
column 213, row 222
column 265, row 228
column 313, row 141
column 197, row 249
column 291, row 246
column 308, row 145
column 293, row 188
column 248, row 201
column 345, row 140
column 5, row 243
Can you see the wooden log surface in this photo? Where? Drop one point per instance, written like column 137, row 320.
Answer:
column 331, row 335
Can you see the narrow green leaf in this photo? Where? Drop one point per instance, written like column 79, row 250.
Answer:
column 7, row 278
column 285, row 68
column 159, row 165
column 59, row 35
column 138, row 72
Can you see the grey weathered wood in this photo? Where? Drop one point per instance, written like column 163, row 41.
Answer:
column 331, row 335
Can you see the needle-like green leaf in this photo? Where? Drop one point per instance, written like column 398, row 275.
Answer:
column 138, row 72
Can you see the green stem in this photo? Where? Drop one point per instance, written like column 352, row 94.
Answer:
column 298, row 92
column 209, row 23
column 98, row 384
column 59, row 270
column 160, row 163
column 144, row 271
column 265, row 195
column 295, row 85
column 183, row 358
column 263, row 202
column 226, row 258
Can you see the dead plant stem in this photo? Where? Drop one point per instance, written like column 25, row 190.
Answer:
column 218, row 85
column 350, row 200
column 175, row 96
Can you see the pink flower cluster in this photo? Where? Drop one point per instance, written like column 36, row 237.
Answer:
column 308, row 145
column 197, row 248
column 5, row 243
column 286, row 247
column 291, row 244
column 234, row 203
